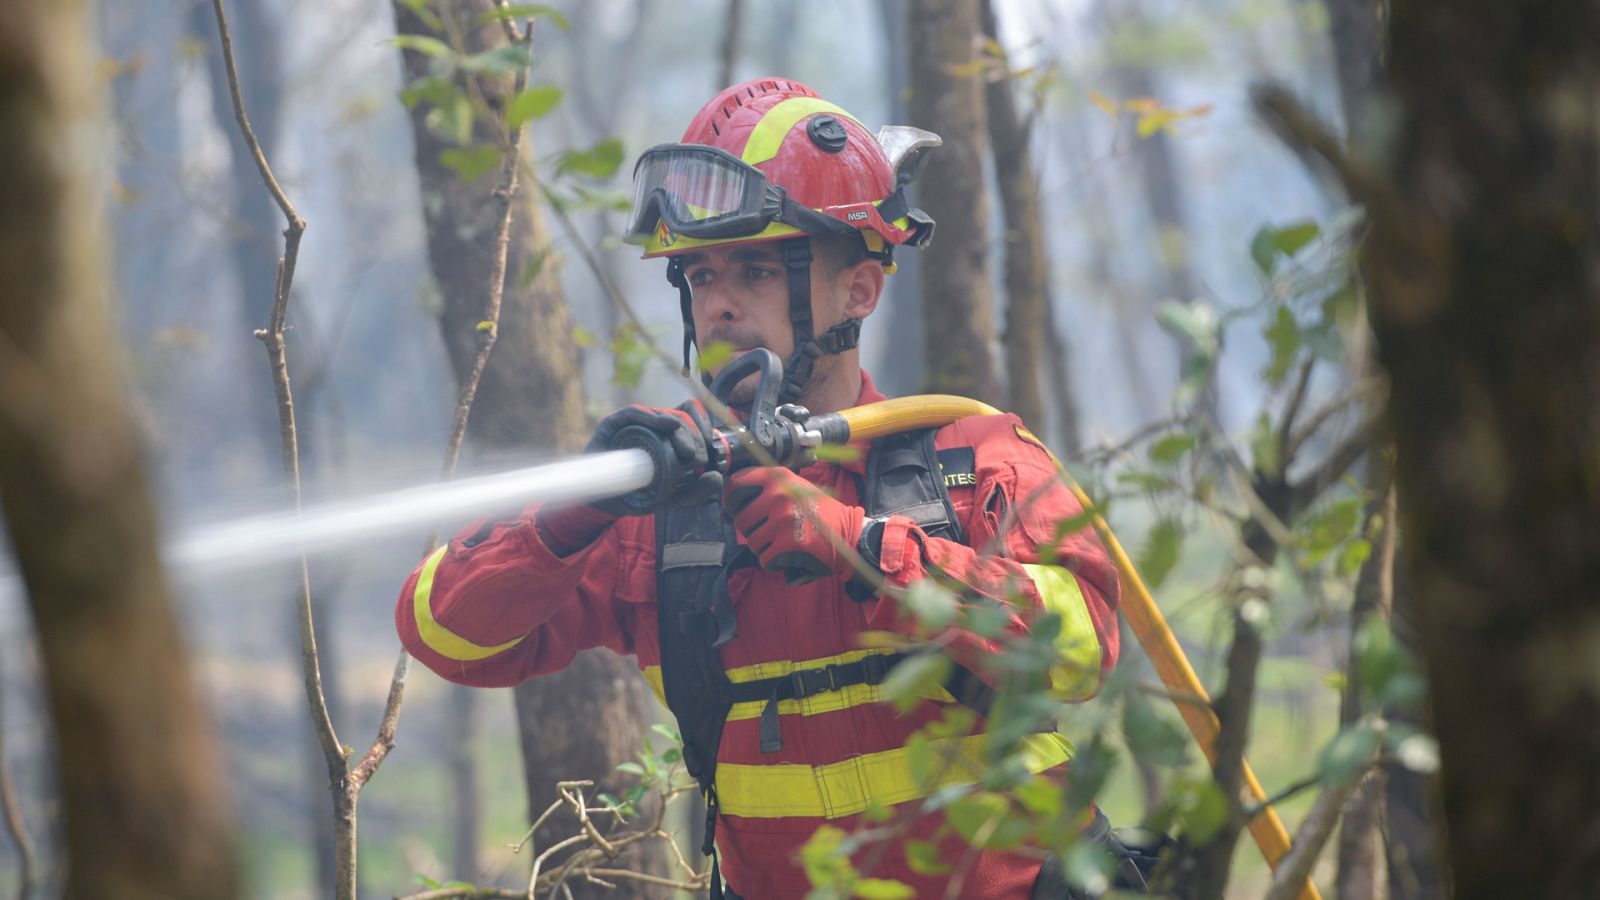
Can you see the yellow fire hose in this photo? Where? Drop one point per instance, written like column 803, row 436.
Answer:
column 905, row 413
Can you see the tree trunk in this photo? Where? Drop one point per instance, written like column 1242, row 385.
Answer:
column 1356, row 30
column 1485, row 274
column 1027, row 270
column 946, row 88
column 901, row 369
column 142, row 803
column 583, row 721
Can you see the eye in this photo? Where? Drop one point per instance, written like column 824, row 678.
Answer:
column 758, row 273
column 699, row 277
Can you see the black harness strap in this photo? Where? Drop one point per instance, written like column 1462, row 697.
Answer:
column 696, row 549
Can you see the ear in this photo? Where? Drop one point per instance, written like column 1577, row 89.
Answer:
column 863, row 288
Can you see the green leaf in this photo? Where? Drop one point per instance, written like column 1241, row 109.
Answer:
column 714, row 355
column 1264, row 447
column 668, row 732
column 600, row 161
column 931, row 605
column 882, row 889
column 1353, row 557
column 1145, row 481
column 421, row 43
column 826, row 858
column 1152, row 738
column 470, row 163
column 419, row 8
column 1261, row 250
column 1331, row 526
column 1291, row 239
column 533, row 103
column 533, row 267
column 1171, row 448
column 1283, row 337
column 631, row 353
column 984, row 820
column 1349, row 752
column 505, row 59
column 923, row 858
column 836, row 453
column 1193, row 323
column 451, row 118
column 433, row 91
column 988, row 620
column 583, row 337
column 1379, row 658
column 1162, row 547
column 1200, row 808
column 1270, row 243
column 526, row 11
column 1039, row 795
column 632, row 768
column 916, row 677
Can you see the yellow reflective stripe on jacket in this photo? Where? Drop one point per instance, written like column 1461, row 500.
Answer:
column 768, row 135
column 439, row 639
column 844, row 788
column 1077, row 673
column 825, row 702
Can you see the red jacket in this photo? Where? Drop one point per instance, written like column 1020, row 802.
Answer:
column 496, row 606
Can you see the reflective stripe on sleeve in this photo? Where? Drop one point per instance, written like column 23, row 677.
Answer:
column 843, row 788
column 439, row 639
column 1076, row 673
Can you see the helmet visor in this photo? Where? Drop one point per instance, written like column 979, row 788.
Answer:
column 697, row 191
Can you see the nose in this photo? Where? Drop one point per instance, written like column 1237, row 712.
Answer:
column 718, row 303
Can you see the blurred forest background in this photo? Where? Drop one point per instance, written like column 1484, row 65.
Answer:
column 1199, row 359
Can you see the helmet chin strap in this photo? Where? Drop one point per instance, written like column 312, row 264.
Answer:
column 808, row 347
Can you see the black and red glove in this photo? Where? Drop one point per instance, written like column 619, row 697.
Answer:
column 791, row 525
column 688, row 432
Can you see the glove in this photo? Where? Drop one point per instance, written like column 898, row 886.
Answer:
column 687, row 430
column 792, row 525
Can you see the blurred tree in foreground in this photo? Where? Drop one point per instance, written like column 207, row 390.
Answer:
column 143, row 804
column 1484, row 263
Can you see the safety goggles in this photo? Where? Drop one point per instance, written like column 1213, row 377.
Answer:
column 708, row 193
column 700, row 192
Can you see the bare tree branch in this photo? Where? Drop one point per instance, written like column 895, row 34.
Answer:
column 15, row 825
column 1295, row 868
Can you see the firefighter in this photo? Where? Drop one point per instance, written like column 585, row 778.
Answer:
column 778, row 215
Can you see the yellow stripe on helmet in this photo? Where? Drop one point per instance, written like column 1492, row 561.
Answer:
column 768, row 135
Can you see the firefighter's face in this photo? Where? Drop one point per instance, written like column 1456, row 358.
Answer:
column 741, row 298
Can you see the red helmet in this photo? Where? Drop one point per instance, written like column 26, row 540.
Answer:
column 769, row 160
column 833, row 166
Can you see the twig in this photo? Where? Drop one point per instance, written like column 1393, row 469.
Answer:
column 1292, row 789
column 1309, row 138
column 386, row 727
column 15, row 825
column 273, row 338
column 1334, row 465
column 1292, row 410
column 1361, row 390
column 1296, row 865
column 488, row 328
